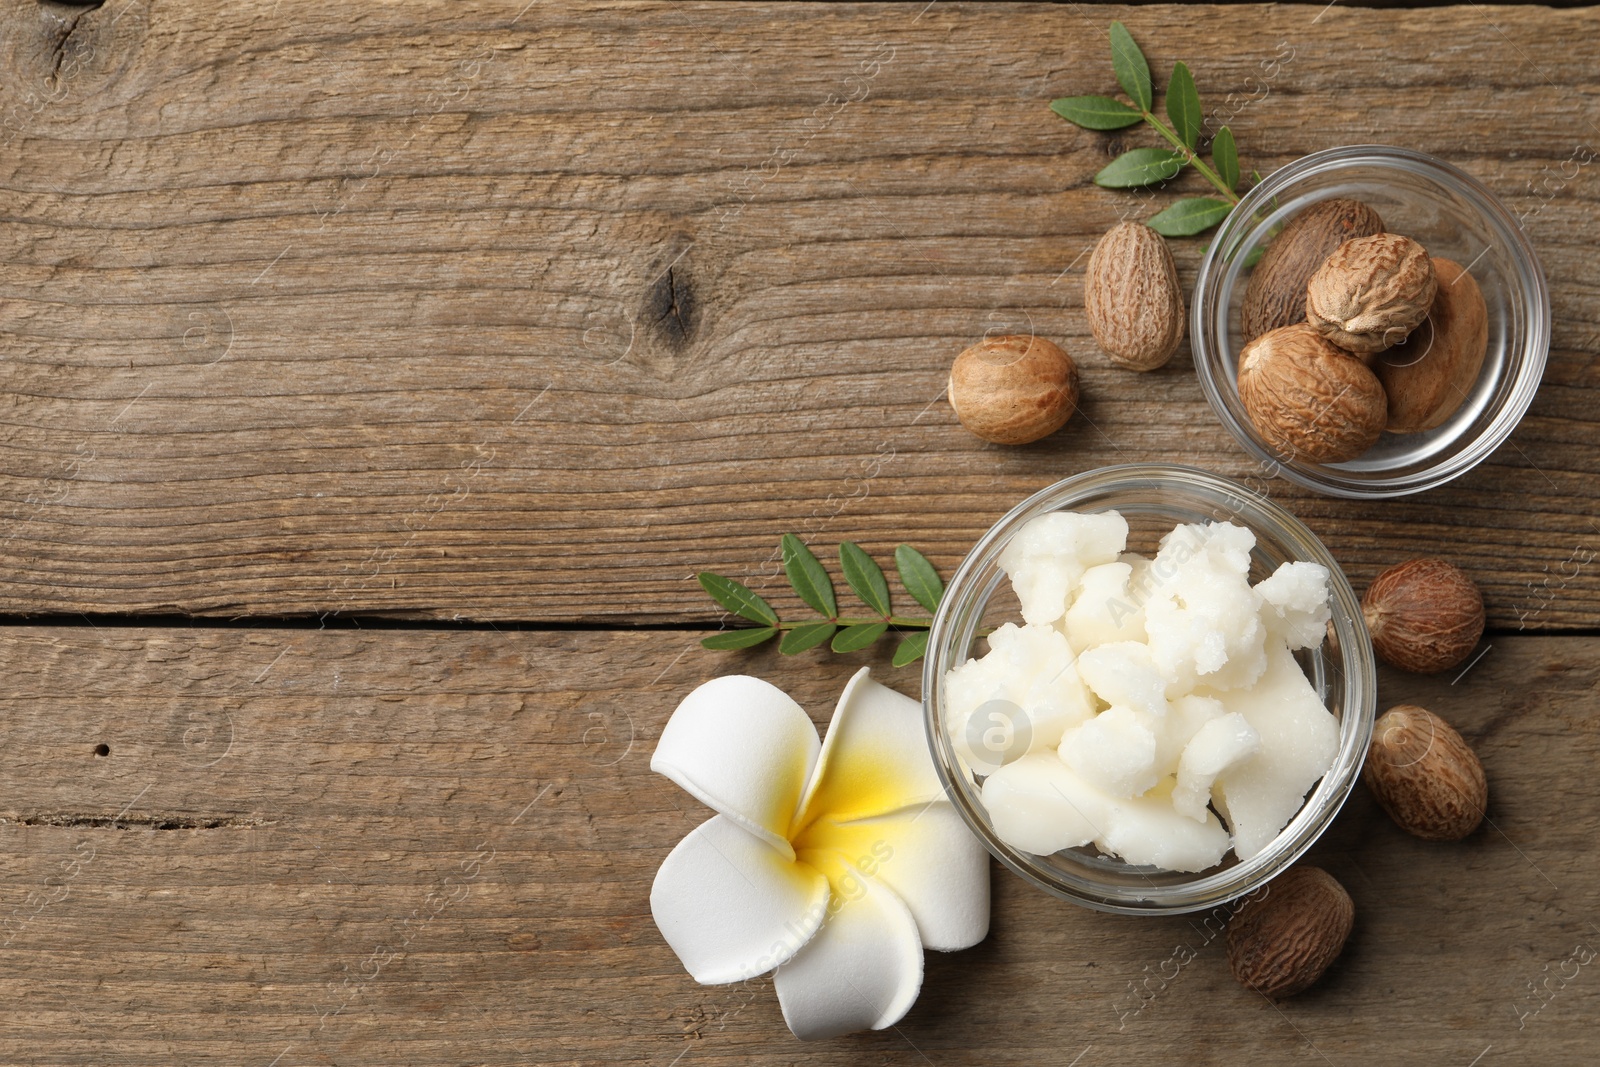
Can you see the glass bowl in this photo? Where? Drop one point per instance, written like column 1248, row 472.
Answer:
column 1453, row 216
column 1154, row 499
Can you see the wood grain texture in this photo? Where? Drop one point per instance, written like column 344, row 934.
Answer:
column 438, row 310
column 357, row 847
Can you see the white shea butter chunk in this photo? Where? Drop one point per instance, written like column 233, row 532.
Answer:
column 1030, row 675
column 1038, row 805
column 1294, row 603
column 1115, row 751
column 1202, row 617
column 1105, row 609
column 1147, row 830
column 1185, row 717
column 1299, row 737
column 1047, row 557
column 1217, row 747
column 1125, row 673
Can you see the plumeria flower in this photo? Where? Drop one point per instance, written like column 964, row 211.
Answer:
column 836, row 864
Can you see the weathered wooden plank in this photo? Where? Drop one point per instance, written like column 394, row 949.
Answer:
column 445, row 310
column 364, row 847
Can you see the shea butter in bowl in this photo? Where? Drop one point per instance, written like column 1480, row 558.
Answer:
column 1454, row 218
column 1074, row 743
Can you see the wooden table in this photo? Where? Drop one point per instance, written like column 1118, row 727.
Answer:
column 379, row 376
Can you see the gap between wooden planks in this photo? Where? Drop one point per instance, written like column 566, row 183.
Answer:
column 529, row 315
column 344, row 847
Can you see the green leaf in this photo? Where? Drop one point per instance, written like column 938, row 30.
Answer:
column 1225, row 154
column 806, row 635
column 1133, row 72
column 1095, row 112
column 1188, row 217
column 911, row 649
column 919, row 577
column 731, row 639
column 807, row 576
column 852, row 638
column 737, row 598
column 1183, row 105
column 1142, row 166
column 865, row 578
column 1255, row 256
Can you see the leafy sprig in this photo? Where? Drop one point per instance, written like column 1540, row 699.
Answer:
column 1140, row 167
column 814, row 585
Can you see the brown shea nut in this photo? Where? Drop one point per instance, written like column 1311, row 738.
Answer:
column 1308, row 398
column 1371, row 292
column 1425, row 775
column 1282, row 943
column 1424, row 615
column 1276, row 295
column 1013, row 389
column 1132, row 298
column 1428, row 376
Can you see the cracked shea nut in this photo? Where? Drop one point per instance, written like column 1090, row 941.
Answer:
column 1013, row 389
column 1132, row 298
column 1424, row 615
column 1276, row 295
column 1371, row 292
column 1281, row 943
column 1308, row 398
column 1425, row 775
column 1428, row 377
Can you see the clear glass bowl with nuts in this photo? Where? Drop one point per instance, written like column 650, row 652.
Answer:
column 1333, row 667
column 1456, row 376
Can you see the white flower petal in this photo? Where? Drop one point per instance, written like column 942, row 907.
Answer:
column 863, row 970
column 743, row 748
column 731, row 906
column 929, row 858
column 874, row 760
